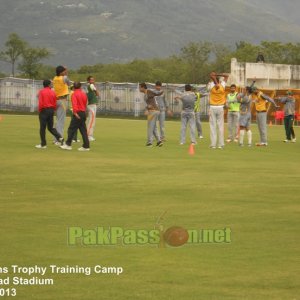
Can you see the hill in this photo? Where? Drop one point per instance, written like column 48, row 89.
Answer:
column 93, row 31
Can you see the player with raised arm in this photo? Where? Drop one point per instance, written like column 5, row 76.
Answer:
column 163, row 106
column 260, row 100
column 289, row 116
column 217, row 100
column 200, row 93
column 152, row 112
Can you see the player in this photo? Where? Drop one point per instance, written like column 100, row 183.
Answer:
column 188, row 99
column 93, row 95
column 260, row 101
column 61, row 85
column 152, row 112
column 75, row 138
column 233, row 114
column 289, row 115
column 46, row 107
column 163, row 106
column 79, row 104
column 245, row 116
column 197, row 109
column 217, row 100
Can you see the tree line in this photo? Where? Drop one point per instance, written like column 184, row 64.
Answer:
column 193, row 63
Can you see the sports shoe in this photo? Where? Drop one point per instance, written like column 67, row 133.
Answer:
column 228, row 140
column 75, row 141
column 212, row 147
column 40, row 146
column 159, row 144
column 149, row 145
column 286, row 141
column 261, row 144
column 193, row 143
column 181, row 144
column 66, row 147
column 241, row 145
column 294, row 140
column 200, row 136
column 236, row 140
column 61, row 141
column 220, row 147
column 92, row 139
column 57, row 143
column 83, row 149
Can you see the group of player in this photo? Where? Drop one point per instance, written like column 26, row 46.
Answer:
column 157, row 106
column 238, row 105
column 56, row 100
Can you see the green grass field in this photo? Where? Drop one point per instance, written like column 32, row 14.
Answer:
column 253, row 191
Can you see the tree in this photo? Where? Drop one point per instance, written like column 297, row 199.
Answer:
column 46, row 72
column 15, row 47
column 279, row 53
column 171, row 70
column 196, row 55
column 31, row 58
column 294, row 53
column 222, row 60
column 86, row 69
column 246, row 52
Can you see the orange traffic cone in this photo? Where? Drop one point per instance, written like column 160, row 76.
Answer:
column 191, row 149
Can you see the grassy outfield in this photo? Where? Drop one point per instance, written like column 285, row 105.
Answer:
column 253, row 191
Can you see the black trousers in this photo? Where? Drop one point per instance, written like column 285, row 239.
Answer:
column 74, row 126
column 46, row 121
column 289, row 129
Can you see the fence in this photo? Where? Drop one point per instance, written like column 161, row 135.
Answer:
column 115, row 98
column 20, row 95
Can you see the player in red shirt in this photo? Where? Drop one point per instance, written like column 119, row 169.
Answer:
column 79, row 103
column 47, row 106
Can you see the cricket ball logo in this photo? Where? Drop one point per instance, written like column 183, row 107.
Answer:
column 174, row 236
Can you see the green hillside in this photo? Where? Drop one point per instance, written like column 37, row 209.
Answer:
column 92, row 31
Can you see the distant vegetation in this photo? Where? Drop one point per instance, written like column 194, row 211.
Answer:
column 18, row 51
column 192, row 64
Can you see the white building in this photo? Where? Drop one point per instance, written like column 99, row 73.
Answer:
column 267, row 76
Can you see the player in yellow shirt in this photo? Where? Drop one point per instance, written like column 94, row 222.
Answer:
column 61, row 85
column 217, row 100
column 260, row 101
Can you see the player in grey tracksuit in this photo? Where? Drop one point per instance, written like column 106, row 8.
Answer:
column 245, row 116
column 289, row 115
column 163, row 106
column 188, row 99
column 152, row 112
